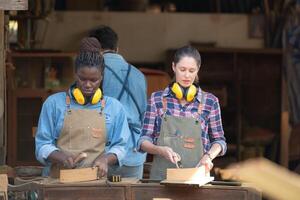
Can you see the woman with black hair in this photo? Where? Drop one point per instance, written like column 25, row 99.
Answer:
column 182, row 123
column 82, row 120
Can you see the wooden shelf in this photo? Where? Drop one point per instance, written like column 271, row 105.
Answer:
column 42, row 54
column 26, row 94
column 239, row 50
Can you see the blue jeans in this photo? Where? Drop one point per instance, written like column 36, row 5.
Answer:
column 127, row 171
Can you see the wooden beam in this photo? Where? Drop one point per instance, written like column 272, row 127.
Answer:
column 3, row 186
column 186, row 174
column 13, row 4
column 275, row 181
column 2, row 91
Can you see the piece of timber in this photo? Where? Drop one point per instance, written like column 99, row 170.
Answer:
column 275, row 181
column 190, row 176
column 78, row 175
column 185, row 174
column 3, row 186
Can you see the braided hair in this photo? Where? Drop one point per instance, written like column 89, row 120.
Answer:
column 89, row 54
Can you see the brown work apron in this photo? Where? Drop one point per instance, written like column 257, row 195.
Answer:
column 83, row 132
column 183, row 135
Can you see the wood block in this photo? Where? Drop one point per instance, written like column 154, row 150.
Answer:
column 185, row 174
column 77, row 175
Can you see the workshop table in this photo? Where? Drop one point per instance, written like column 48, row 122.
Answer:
column 142, row 191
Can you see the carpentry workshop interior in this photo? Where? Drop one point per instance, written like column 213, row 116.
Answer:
column 82, row 117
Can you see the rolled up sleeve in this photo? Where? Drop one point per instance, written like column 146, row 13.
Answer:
column 149, row 128
column 215, row 129
column 119, row 135
column 44, row 139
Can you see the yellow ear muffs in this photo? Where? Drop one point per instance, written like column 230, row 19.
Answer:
column 179, row 92
column 78, row 96
column 97, row 96
column 192, row 91
column 176, row 89
column 80, row 99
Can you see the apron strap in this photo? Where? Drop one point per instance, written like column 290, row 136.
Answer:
column 68, row 102
column 200, row 107
column 124, row 82
column 102, row 106
column 165, row 104
column 128, row 91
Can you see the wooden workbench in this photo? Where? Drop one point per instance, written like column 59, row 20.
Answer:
column 142, row 191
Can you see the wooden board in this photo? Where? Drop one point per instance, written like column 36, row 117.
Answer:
column 77, row 175
column 3, row 186
column 185, row 174
column 2, row 92
column 13, row 4
column 190, row 176
column 275, row 181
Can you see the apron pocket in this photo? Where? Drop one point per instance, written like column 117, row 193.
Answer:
column 97, row 132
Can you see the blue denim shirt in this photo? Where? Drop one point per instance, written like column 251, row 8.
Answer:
column 52, row 119
column 137, row 85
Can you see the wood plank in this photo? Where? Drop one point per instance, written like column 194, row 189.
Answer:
column 13, row 4
column 2, row 92
column 188, row 176
column 185, row 174
column 43, row 54
column 275, row 181
column 3, row 186
column 77, row 175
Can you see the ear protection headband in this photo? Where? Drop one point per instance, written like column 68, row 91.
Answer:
column 187, row 93
column 80, row 99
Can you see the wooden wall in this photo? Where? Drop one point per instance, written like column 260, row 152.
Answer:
column 145, row 37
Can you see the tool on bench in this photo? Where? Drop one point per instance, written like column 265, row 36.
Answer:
column 178, row 161
column 114, row 178
column 81, row 156
column 179, row 164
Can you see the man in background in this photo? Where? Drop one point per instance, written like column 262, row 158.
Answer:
column 126, row 83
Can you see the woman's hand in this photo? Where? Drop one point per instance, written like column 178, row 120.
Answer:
column 168, row 154
column 206, row 161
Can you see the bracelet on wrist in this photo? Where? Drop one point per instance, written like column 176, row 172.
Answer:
column 208, row 154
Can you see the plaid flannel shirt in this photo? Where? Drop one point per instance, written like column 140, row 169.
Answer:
column 210, row 118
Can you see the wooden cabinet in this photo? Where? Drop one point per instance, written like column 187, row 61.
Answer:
column 143, row 191
column 23, row 112
column 28, row 86
column 248, row 85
